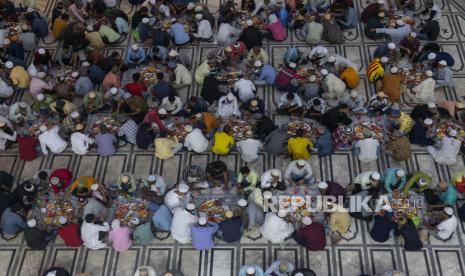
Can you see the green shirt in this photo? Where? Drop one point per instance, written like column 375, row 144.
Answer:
column 414, row 180
column 109, row 34
column 252, row 179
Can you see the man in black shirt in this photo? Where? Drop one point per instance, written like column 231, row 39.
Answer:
column 409, row 236
column 251, row 36
column 210, row 91
column 218, row 173
column 35, row 238
column 230, row 230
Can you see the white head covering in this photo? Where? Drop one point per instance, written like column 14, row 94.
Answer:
column 375, row 176
column 384, row 59
column 162, row 111
column 85, row 64
column 400, row 22
column 273, row 18
column 413, row 34
column 443, row 62
column 331, row 58
column 449, row 211
column 422, row 182
column 380, row 2
column 188, row 128
column 301, row 162
column 391, row 46
column 429, row 73
column 453, row 133
column 242, row 202
column 190, row 206
column 431, row 105
column 431, row 56
column 428, row 121
column 400, row 173
column 90, row 28
column 74, row 74
column 94, row 187
column 198, row 8
column 32, row 223
column 191, row 6
column 282, row 213
column 353, row 94
column 183, row 188
column 9, row 64
column 292, row 65
column 324, row 72
column 41, row 51
column 306, row 220
column 394, row 70
column 115, row 224
column 151, row 178
column 51, row 273
column 322, row 185
column 145, row 20
column 43, row 128
column 41, row 75
column 63, row 220
column 135, row 47
column 230, row 96
column 249, row 22
column 258, row 63
column 267, row 195
column 40, row 97
column 202, row 220
column 198, row 16
column 250, row 270
column 74, row 114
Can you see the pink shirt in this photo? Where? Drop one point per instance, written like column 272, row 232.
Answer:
column 37, row 86
column 449, row 105
column 111, row 80
column 120, row 238
column 278, row 31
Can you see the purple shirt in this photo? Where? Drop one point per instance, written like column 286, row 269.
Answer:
column 105, row 144
column 334, row 189
column 277, row 30
column 121, row 238
column 202, row 236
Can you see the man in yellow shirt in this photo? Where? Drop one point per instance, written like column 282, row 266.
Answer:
column 401, row 121
column 81, row 186
column 166, row 147
column 299, row 147
column 18, row 75
column 222, row 141
column 94, row 38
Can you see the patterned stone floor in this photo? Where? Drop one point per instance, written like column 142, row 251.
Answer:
column 350, row 257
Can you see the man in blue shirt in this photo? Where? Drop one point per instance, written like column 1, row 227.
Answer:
column 203, row 234
column 11, row 222
column 266, row 74
column 179, row 34
column 136, row 56
column 162, row 218
column 162, row 89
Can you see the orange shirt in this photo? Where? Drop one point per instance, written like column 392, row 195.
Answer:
column 210, row 121
column 350, row 77
column 58, row 27
column 391, row 86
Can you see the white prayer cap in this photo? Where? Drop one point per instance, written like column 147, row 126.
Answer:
column 299, row 274
column 431, row 56
column 292, row 65
column 51, row 273
column 250, row 270
column 381, row 94
column 9, row 64
column 275, row 172
column 113, row 90
column 74, row 74
column 183, row 188
column 135, row 47
column 375, row 176
column 322, row 185
column 63, row 220
column 29, row 9
column 32, row 223
column 353, row 94
column 135, row 221
column 443, row 62
column 127, row 95
column 258, row 63
column 400, row 22
column 301, row 162
column 282, row 213
column 92, row 95
column 391, row 45
column 85, row 64
column 162, row 111
column 22, row 104
column 151, row 178
column 429, row 73
column 191, row 6
column 428, row 121
column 312, row 78
column 90, row 28
column 198, row 8
column 153, row 2
column 249, row 22
column 384, row 59
column 54, row 180
column 41, row 51
column 380, row 2
column 190, row 206
column 267, row 195
column 74, row 114
column 173, row 53
column 198, row 16
column 242, row 202
column 453, row 133
column 230, row 96
column 324, row 72
column 394, row 70
column 413, row 34
column 422, row 182
column 40, row 97
column 321, row 51
column 202, row 220
column 431, row 105
column 331, row 58
column 306, row 220
column 400, row 173
column 43, row 128
column 94, row 187
column 188, row 128
column 273, row 18
column 41, row 75
column 449, row 211
column 145, row 20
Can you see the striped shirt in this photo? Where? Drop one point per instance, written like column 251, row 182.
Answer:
column 375, row 70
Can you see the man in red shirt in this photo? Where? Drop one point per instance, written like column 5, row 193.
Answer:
column 311, row 235
column 136, row 88
column 71, row 234
column 27, row 147
column 60, row 179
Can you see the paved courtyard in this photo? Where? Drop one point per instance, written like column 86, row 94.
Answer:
column 359, row 254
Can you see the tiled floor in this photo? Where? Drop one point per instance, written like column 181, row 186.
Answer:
column 350, row 257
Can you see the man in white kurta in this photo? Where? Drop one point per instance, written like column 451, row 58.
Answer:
column 80, row 142
column 50, row 140
column 367, row 179
column 249, row 149
column 182, row 220
column 90, row 234
column 368, row 149
column 424, row 91
column 177, row 197
column 448, row 150
column 275, row 228
column 195, row 140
